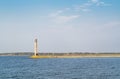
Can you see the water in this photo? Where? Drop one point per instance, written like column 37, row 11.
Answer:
column 16, row 67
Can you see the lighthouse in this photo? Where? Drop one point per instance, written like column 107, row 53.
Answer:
column 36, row 55
column 35, row 47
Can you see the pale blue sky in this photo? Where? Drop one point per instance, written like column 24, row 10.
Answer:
column 60, row 25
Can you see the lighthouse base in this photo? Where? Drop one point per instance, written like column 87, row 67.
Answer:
column 39, row 56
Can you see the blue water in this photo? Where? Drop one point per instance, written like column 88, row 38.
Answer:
column 16, row 67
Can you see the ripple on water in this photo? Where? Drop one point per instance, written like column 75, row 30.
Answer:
column 79, row 68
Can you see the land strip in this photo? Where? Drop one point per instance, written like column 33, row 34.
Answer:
column 65, row 55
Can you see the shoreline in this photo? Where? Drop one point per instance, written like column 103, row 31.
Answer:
column 66, row 55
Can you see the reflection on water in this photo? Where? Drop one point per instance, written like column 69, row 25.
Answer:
column 71, row 68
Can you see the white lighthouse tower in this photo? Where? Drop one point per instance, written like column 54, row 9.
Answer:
column 35, row 47
column 36, row 55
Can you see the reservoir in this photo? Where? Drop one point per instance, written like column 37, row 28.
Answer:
column 23, row 67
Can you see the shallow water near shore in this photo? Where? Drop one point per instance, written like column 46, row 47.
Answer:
column 22, row 67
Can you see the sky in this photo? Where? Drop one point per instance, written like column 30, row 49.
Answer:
column 60, row 25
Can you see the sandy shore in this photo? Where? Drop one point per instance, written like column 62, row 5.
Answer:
column 80, row 56
column 85, row 56
column 65, row 55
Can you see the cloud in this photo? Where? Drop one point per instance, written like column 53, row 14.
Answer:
column 69, row 14
column 83, row 7
column 94, row 1
column 64, row 19
column 80, row 8
column 56, row 13
column 57, row 17
column 86, row 7
column 99, row 3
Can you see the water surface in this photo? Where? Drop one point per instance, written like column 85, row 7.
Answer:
column 22, row 67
